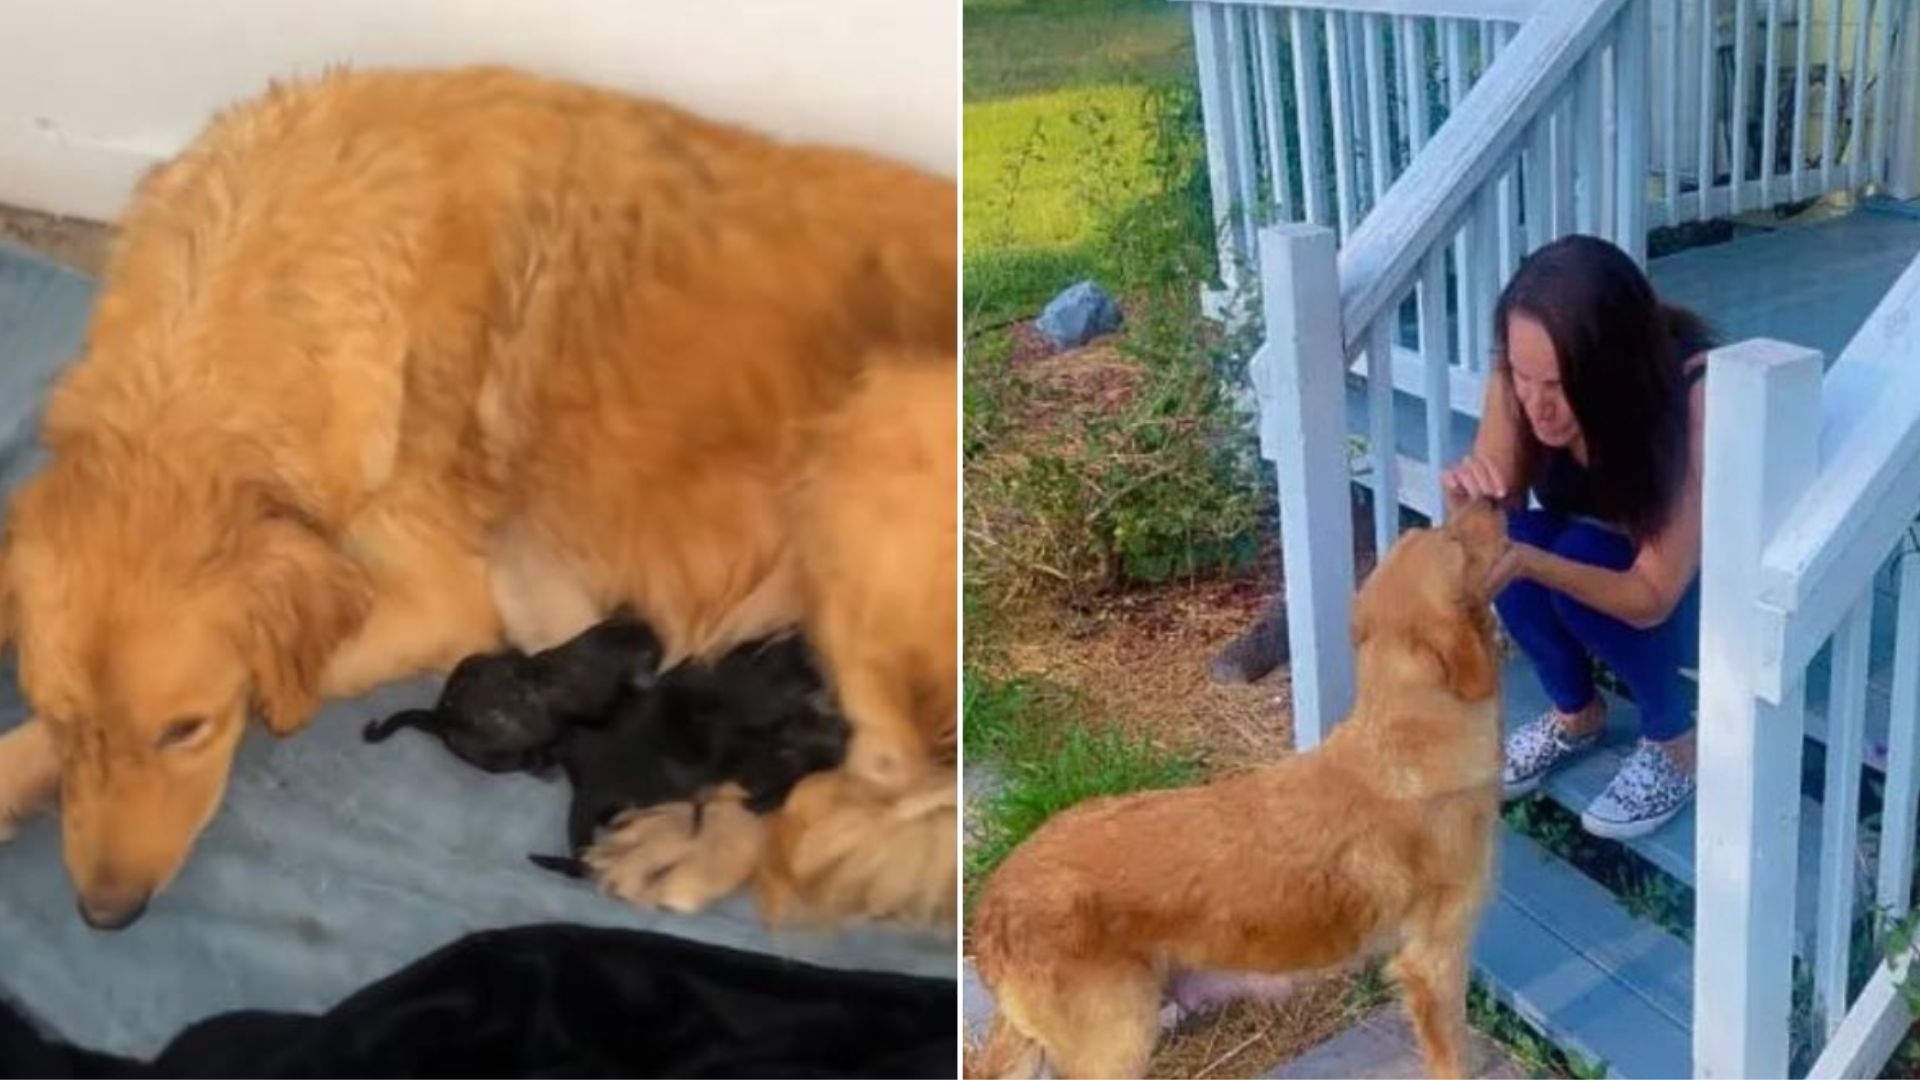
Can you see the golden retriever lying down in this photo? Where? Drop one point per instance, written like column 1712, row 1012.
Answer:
column 388, row 365
column 1381, row 840
column 877, row 518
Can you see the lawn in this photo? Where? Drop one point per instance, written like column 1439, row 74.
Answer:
column 1015, row 47
column 1058, row 122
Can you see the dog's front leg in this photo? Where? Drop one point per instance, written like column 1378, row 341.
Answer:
column 29, row 774
column 1432, row 974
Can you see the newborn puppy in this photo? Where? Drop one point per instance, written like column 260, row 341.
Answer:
column 503, row 711
column 759, row 717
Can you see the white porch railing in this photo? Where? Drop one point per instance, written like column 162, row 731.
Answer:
column 1514, row 168
column 1761, row 102
column 1811, row 487
column 1812, row 483
column 1314, row 108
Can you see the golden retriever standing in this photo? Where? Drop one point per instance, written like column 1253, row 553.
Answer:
column 1380, row 840
column 388, row 364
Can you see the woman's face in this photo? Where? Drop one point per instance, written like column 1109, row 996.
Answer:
column 1536, row 382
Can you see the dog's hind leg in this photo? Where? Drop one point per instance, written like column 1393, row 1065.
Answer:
column 1007, row 1054
column 29, row 773
column 1094, row 1021
column 1432, row 973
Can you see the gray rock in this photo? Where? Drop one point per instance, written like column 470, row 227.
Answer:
column 1080, row 313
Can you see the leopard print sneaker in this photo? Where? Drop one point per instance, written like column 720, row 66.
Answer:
column 1534, row 749
column 1645, row 794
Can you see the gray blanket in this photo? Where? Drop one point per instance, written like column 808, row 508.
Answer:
column 332, row 862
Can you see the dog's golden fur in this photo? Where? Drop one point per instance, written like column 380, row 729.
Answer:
column 1379, row 840
column 389, row 364
column 876, row 517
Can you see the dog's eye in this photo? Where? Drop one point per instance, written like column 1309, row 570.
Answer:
column 182, row 731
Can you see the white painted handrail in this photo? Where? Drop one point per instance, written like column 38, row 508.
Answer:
column 1379, row 260
column 1828, row 549
column 1810, row 490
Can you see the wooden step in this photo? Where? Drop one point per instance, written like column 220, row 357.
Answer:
column 1555, row 947
column 1671, row 847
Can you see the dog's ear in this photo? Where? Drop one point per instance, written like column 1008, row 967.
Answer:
column 1466, row 659
column 305, row 598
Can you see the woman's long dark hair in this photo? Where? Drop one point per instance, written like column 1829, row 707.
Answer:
column 1621, row 354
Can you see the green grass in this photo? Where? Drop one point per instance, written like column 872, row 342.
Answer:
column 1037, row 167
column 1059, row 134
column 1036, row 737
column 1017, row 47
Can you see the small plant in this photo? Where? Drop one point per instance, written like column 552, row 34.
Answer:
column 1534, row 1051
column 1155, row 479
column 1897, row 939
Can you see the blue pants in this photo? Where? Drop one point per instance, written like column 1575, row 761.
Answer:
column 1562, row 636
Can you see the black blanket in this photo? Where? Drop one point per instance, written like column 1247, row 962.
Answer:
column 562, row 1000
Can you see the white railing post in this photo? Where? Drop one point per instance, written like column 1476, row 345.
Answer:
column 1306, row 430
column 1762, row 443
column 1214, row 56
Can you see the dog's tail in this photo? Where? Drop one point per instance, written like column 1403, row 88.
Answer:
column 1007, row 1052
column 381, row 730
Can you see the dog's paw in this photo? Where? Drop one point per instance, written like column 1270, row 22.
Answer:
column 29, row 775
column 678, row 856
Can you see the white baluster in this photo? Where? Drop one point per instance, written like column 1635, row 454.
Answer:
column 1857, row 128
column 1246, row 172
column 1840, row 811
column 1737, row 167
column 1272, row 114
column 1380, row 430
column 1902, row 800
column 1770, row 108
column 1308, row 106
column 1438, row 384
column 1413, row 78
column 1337, row 94
column 1379, row 153
column 1671, row 146
column 1705, row 134
column 1883, row 75
column 1634, row 97
column 1802, row 30
column 1830, row 101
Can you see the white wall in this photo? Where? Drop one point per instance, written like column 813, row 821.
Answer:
column 94, row 91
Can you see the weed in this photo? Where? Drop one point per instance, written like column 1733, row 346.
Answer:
column 1532, row 1050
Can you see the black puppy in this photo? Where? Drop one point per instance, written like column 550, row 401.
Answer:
column 758, row 717
column 505, row 711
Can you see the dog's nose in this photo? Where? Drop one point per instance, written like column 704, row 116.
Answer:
column 117, row 915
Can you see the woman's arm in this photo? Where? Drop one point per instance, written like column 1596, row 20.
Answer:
column 1496, row 466
column 1645, row 594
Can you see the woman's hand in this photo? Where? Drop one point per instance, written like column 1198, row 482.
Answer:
column 1474, row 477
column 1515, row 563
